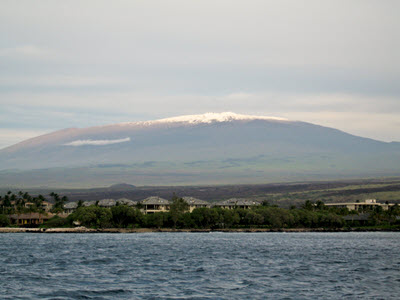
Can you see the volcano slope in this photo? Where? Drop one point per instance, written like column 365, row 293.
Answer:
column 199, row 149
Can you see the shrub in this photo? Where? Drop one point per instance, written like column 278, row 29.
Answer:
column 4, row 221
column 123, row 215
column 93, row 216
column 57, row 222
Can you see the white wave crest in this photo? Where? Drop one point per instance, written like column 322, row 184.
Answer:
column 96, row 142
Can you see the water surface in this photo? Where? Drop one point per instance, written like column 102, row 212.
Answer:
column 200, row 266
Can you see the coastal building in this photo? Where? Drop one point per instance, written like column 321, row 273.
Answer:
column 29, row 219
column 89, row 203
column 155, row 204
column 46, row 206
column 111, row 202
column 366, row 204
column 125, row 201
column 107, row 203
column 29, row 204
column 361, row 219
column 236, row 203
column 195, row 203
column 70, row 207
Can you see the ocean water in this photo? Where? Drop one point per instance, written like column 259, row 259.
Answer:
column 200, row 266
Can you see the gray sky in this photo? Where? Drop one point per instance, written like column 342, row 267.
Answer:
column 84, row 63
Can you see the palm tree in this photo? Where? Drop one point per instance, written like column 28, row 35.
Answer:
column 58, row 202
column 62, row 201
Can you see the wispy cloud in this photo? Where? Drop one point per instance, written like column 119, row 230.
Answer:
column 29, row 51
column 78, row 143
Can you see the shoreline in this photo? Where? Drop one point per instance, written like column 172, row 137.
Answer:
column 150, row 230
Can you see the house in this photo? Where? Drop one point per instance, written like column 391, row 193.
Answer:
column 89, row 203
column 361, row 219
column 195, row 203
column 29, row 219
column 46, row 206
column 366, row 204
column 155, row 204
column 29, row 204
column 125, row 201
column 70, row 207
column 107, row 203
column 236, row 203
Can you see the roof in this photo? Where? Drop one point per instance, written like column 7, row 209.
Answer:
column 89, row 203
column 31, row 216
column 237, row 202
column 155, row 200
column 360, row 217
column 107, row 202
column 125, row 201
column 195, row 201
column 359, row 204
column 71, row 205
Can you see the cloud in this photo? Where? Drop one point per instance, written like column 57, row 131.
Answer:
column 60, row 81
column 78, row 143
column 333, row 62
column 25, row 51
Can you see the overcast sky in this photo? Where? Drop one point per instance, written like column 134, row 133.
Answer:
column 84, row 63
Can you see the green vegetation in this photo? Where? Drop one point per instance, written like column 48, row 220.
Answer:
column 93, row 216
column 58, row 202
column 58, row 222
column 4, row 221
column 178, row 207
column 310, row 215
column 124, row 216
column 21, row 202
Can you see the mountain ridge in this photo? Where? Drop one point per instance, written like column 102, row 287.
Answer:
column 195, row 148
column 190, row 120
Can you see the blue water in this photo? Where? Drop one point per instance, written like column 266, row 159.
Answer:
column 200, row 266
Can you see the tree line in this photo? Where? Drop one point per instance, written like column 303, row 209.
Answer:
column 17, row 203
column 309, row 215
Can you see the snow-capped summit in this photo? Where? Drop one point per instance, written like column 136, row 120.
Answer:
column 206, row 118
column 215, row 117
column 196, row 149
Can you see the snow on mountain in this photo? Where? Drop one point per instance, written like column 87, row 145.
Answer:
column 206, row 118
column 207, row 148
column 111, row 133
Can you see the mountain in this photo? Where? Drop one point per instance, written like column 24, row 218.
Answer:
column 121, row 187
column 196, row 149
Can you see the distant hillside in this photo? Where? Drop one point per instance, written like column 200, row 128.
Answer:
column 122, row 187
column 199, row 149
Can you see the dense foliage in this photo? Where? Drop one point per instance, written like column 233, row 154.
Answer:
column 4, row 221
column 23, row 202
column 263, row 216
column 309, row 215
